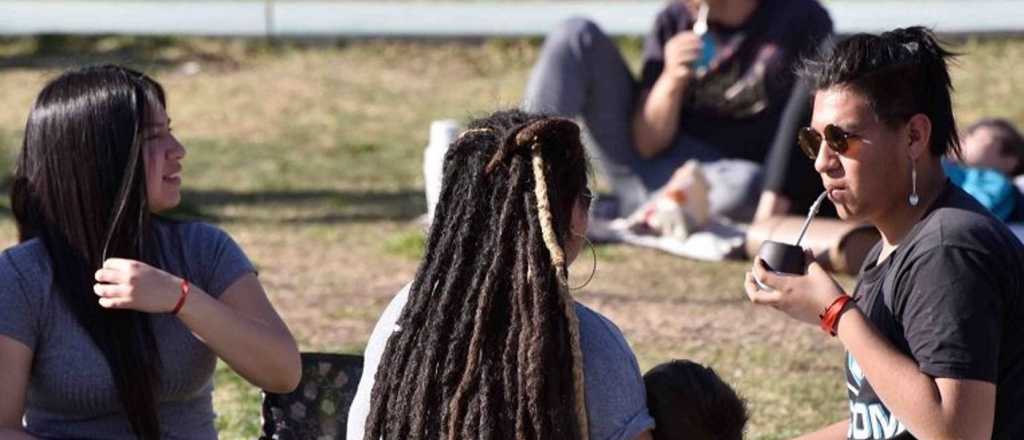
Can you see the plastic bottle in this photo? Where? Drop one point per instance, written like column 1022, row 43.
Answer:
column 442, row 133
column 708, row 48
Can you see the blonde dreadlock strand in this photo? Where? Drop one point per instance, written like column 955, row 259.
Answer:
column 558, row 260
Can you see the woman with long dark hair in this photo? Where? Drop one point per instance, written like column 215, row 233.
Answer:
column 111, row 316
column 487, row 341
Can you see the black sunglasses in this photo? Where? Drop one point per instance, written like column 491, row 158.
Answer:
column 836, row 138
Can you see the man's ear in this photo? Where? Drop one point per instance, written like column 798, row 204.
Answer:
column 919, row 135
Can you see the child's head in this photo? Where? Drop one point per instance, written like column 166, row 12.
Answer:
column 994, row 143
column 689, row 400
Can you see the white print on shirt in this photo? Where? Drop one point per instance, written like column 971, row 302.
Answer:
column 858, row 376
column 872, row 422
column 868, row 421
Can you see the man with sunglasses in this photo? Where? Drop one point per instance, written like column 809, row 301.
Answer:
column 715, row 79
column 934, row 345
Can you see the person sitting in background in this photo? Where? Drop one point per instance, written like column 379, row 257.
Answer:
column 112, row 317
column 716, row 76
column 991, row 155
column 991, row 188
column 690, row 401
column 994, row 143
column 487, row 341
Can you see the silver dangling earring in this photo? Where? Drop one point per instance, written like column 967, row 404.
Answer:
column 913, row 199
column 593, row 269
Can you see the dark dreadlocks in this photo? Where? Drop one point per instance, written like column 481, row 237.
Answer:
column 489, row 346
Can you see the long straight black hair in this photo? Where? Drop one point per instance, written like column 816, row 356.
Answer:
column 489, row 346
column 80, row 187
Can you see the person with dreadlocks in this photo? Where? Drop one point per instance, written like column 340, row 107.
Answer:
column 487, row 341
column 112, row 317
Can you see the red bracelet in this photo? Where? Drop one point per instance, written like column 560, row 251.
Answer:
column 181, row 299
column 830, row 318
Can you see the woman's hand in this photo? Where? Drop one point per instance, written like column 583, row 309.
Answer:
column 134, row 285
column 681, row 52
column 803, row 297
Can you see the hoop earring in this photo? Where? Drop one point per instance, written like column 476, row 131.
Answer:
column 593, row 268
column 913, row 199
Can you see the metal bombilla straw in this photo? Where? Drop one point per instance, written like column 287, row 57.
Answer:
column 777, row 247
column 810, row 215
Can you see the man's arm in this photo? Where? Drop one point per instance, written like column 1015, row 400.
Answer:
column 932, row 408
column 657, row 116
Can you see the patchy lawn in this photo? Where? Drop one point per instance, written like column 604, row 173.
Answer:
column 310, row 155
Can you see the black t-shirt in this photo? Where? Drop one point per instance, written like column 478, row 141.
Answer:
column 949, row 297
column 736, row 106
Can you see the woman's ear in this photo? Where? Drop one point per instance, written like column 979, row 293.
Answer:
column 579, row 220
column 919, row 136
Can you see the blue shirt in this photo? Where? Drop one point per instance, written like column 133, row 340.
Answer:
column 615, row 396
column 989, row 187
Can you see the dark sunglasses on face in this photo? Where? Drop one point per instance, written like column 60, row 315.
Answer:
column 836, row 138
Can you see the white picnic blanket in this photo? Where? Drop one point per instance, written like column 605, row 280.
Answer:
column 715, row 242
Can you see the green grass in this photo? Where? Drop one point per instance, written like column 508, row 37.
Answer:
column 409, row 244
column 310, row 156
column 237, row 405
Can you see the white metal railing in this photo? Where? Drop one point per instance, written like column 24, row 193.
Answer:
column 448, row 19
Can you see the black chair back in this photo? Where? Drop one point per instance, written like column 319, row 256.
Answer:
column 318, row 408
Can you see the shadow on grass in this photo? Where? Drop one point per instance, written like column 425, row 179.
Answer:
column 341, row 206
column 67, row 51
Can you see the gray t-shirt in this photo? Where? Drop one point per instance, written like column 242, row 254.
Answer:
column 615, row 395
column 71, row 393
